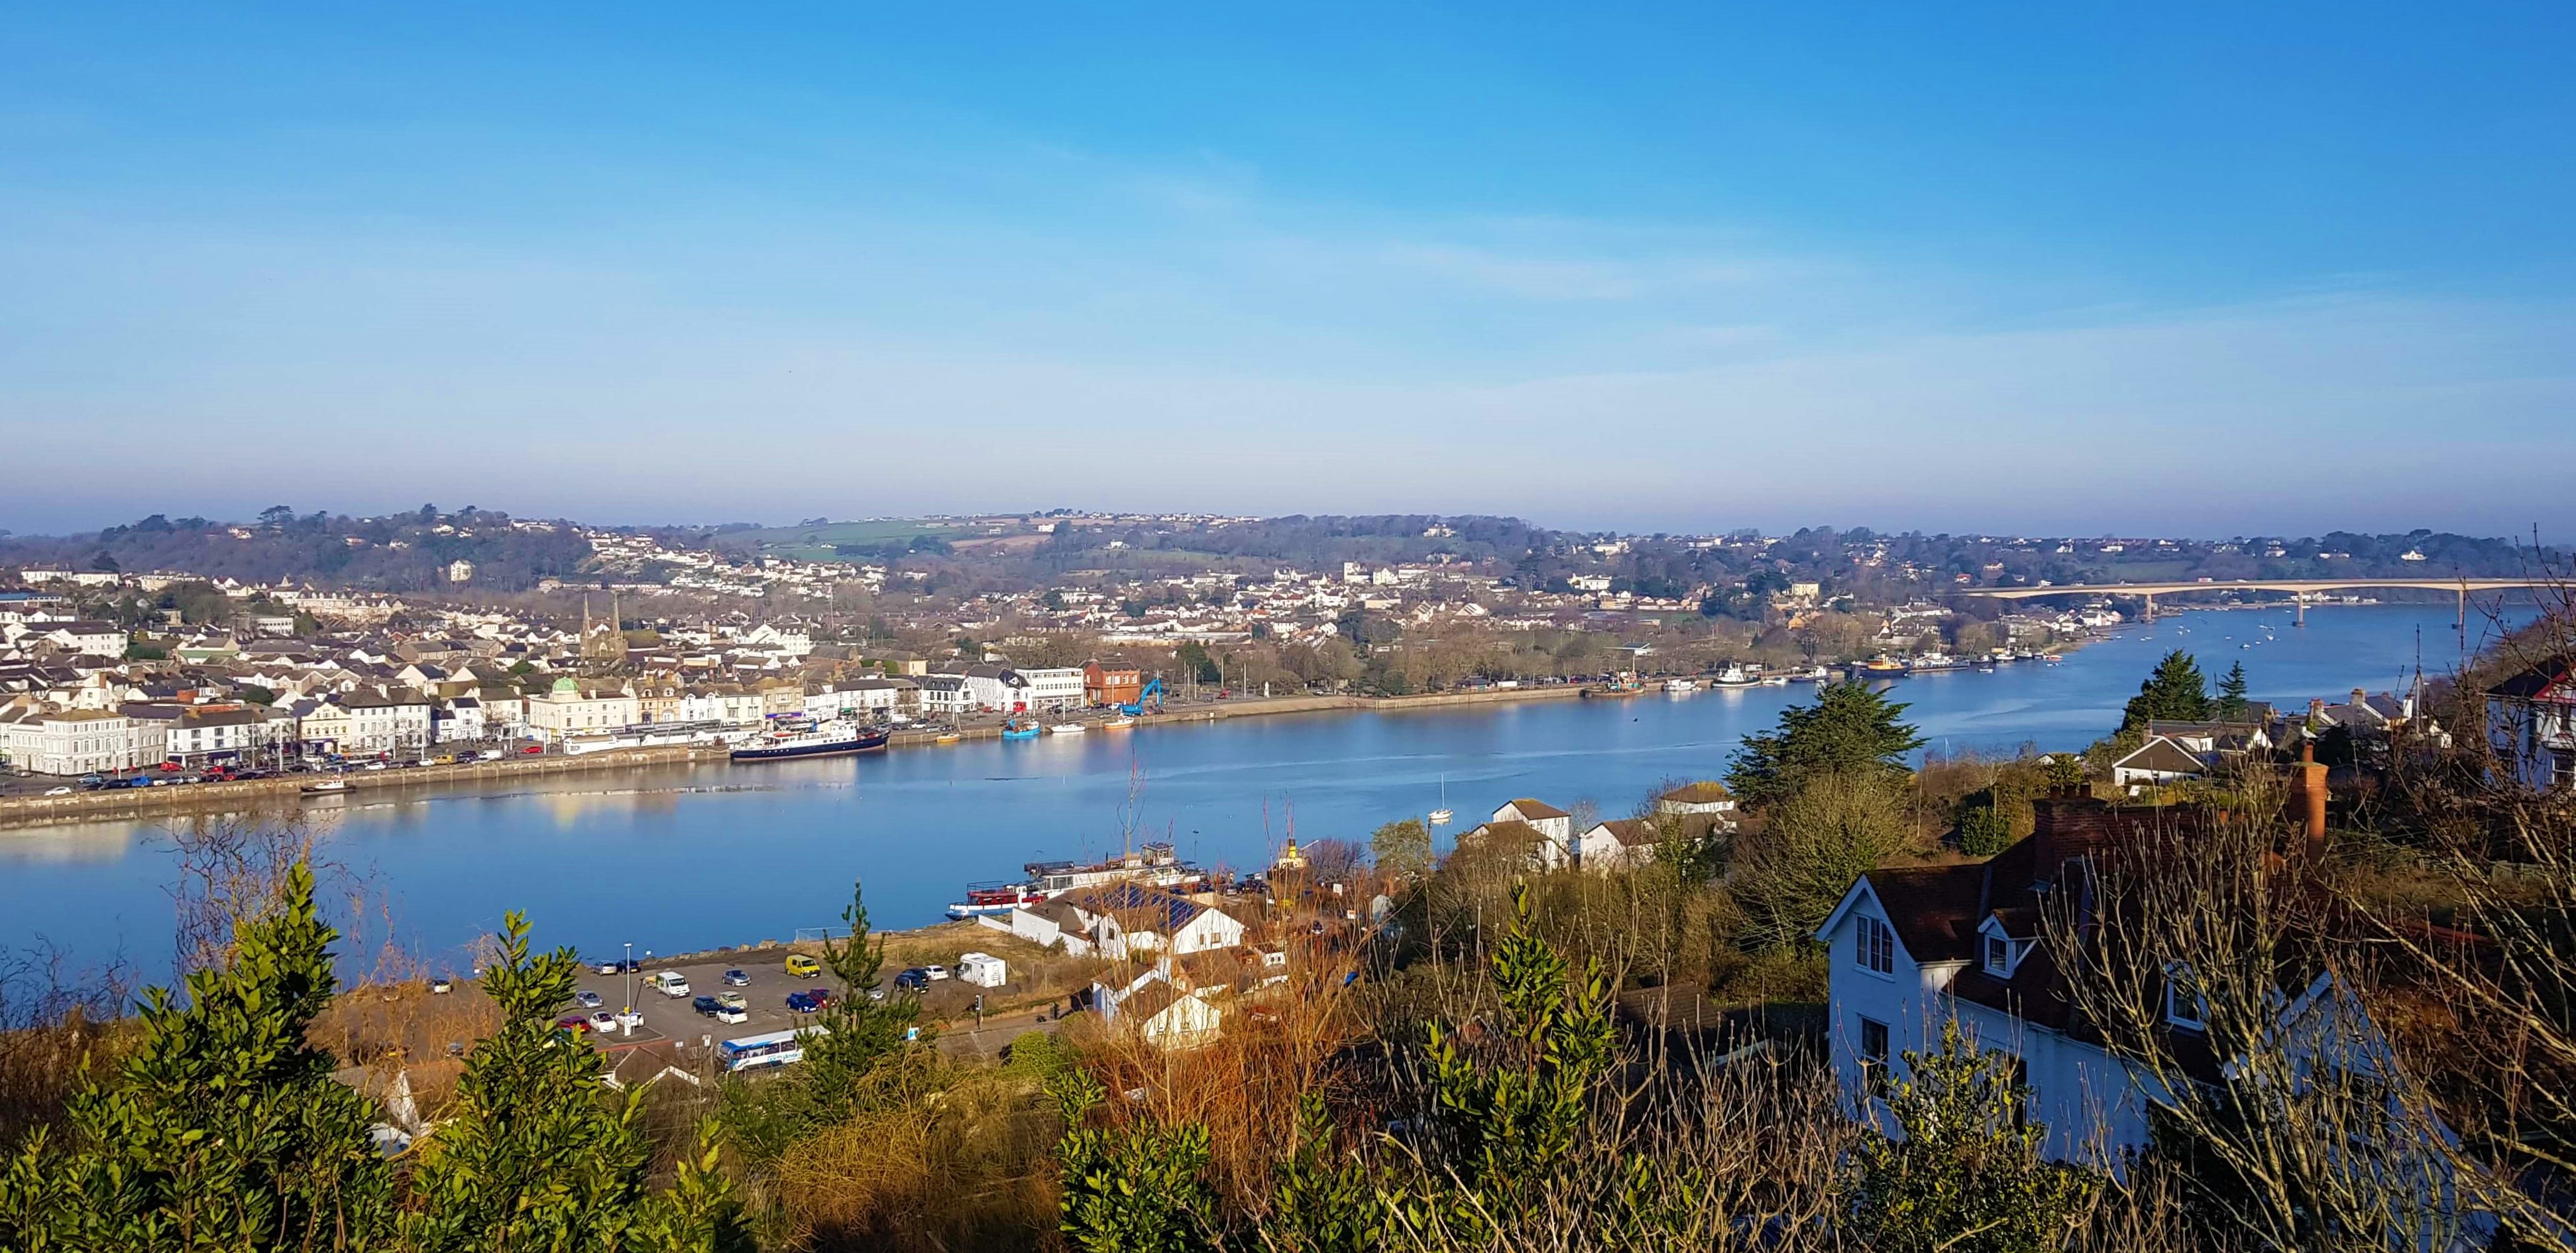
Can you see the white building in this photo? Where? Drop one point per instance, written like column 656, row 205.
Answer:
column 2531, row 724
column 460, row 721
column 1912, row 949
column 385, row 720
column 1553, row 827
column 88, row 637
column 81, row 741
column 1617, row 844
column 1121, row 920
column 568, row 708
column 1052, row 689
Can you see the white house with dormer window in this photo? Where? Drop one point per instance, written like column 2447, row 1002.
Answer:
column 1914, row 947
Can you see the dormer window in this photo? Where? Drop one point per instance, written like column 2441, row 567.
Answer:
column 1999, row 955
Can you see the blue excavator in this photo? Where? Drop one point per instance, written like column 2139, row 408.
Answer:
column 1152, row 693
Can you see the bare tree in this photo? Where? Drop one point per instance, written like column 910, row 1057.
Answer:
column 2198, row 949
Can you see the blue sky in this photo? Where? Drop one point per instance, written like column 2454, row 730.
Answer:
column 2050, row 268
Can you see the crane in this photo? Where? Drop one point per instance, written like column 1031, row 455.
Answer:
column 1153, row 691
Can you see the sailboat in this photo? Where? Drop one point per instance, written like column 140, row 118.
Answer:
column 1442, row 815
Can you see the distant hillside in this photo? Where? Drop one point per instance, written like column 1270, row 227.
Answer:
column 395, row 553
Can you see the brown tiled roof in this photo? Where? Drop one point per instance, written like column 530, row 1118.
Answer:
column 1933, row 908
column 2162, row 756
column 1147, row 1001
column 1704, row 792
column 1538, row 809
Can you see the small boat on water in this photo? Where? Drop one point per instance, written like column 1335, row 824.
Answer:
column 1775, row 680
column 1441, row 816
column 1880, row 667
column 1733, row 676
column 326, row 787
column 1681, row 685
column 1066, row 728
column 1119, row 723
column 1014, row 731
column 946, row 737
column 820, row 739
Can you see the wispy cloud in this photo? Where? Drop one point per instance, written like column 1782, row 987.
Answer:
column 1258, row 353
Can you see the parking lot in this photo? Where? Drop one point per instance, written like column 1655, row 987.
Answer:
column 671, row 1018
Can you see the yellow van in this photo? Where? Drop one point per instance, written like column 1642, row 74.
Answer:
column 802, row 967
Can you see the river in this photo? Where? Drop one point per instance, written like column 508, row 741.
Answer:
column 689, row 857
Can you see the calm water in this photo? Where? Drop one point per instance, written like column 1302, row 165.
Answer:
column 692, row 857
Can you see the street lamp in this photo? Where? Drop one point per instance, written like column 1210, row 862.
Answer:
column 626, row 976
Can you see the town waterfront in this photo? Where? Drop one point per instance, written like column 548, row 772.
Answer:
column 688, row 857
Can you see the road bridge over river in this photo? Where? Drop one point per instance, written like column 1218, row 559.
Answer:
column 2298, row 589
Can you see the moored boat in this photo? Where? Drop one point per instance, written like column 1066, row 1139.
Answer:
column 827, row 739
column 1154, row 865
column 325, row 787
column 1066, row 728
column 1014, row 731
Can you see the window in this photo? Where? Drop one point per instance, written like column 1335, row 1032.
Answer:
column 1877, row 947
column 1998, row 955
column 1873, row 1056
column 2183, row 1007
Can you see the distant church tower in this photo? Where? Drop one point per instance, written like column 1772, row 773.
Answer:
column 603, row 645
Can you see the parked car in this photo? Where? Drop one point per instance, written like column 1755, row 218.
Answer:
column 603, row 1021
column 820, row 996
column 733, row 1013
column 936, row 973
column 735, row 1000
column 587, row 999
column 441, row 986
column 615, row 966
column 800, row 966
column 533, row 749
column 58, row 791
column 736, row 979
column 916, row 979
column 572, row 1024
column 799, row 1003
column 707, row 1005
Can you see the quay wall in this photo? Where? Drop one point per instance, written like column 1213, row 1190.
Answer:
column 23, row 811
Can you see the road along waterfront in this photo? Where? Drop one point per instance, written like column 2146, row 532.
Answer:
column 698, row 855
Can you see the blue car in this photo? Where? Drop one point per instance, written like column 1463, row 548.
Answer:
column 799, row 1002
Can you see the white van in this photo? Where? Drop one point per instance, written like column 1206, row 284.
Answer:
column 671, row 983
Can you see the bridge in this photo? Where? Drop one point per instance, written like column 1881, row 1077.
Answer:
column 2298, row 589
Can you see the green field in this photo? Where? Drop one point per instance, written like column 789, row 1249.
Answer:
column 814, row 543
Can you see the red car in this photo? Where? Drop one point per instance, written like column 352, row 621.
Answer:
column 574, row 1024
column 170, row 766
column 533, row 749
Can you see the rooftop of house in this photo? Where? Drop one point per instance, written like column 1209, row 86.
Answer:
column 1529, row 808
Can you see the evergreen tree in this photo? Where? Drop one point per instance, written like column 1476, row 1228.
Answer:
column 2232, row 705
column 223, row 1129
column 1849, row 729
column 1964, row 1174
column 535, row 1154
column 855, row 1028
column 2174, row 693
